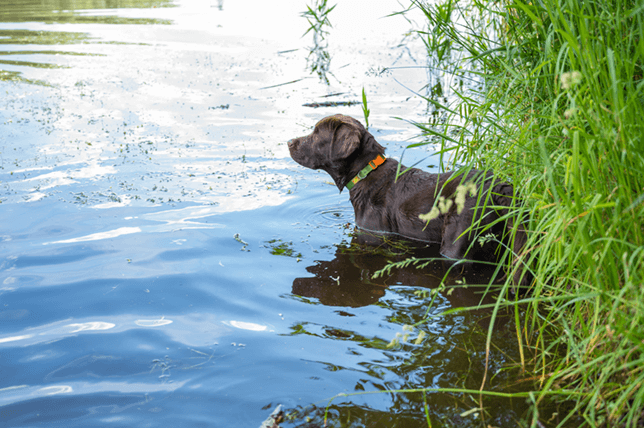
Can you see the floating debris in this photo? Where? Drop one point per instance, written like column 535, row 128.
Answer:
column 331, row 104
column 274, row 418
column 241, row 241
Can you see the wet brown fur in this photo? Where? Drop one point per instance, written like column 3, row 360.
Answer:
column 341, row 146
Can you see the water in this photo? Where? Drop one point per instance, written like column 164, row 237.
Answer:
column 163, row 262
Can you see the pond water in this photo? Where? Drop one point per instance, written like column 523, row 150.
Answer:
column 163, row 262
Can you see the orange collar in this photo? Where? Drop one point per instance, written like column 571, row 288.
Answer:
column 379, row 160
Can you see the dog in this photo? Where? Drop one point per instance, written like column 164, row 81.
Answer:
column 468, row 210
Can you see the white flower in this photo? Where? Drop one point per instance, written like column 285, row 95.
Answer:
column 434, row 213
column 461, row 192
column 569, row 113
column 444, row 204
column 568, row 80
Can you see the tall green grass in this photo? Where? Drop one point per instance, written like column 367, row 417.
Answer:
column 319, row 60
column 557, row 108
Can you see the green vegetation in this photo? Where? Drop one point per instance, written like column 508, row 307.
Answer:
column 277, row 247
column 550, row 96
column 365, row 108
column 64, row 12
column 319, row 59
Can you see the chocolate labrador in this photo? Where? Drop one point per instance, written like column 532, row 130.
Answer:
column 464, row 207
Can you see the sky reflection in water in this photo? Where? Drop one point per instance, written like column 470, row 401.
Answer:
column 162, row 259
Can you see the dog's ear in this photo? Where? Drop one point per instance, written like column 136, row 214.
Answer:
column 339, row 139
column 346, row 140
column 343, row 134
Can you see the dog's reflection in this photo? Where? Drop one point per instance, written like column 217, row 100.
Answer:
column 347, row 280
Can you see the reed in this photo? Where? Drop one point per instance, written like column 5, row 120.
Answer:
column 550, row 96
column 318, row 59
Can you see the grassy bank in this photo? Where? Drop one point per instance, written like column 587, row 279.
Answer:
column 558, row 110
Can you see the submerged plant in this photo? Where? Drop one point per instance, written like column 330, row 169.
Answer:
column 319, row 60
column 554, row 106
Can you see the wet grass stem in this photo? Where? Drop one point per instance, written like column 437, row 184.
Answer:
column 553, row 103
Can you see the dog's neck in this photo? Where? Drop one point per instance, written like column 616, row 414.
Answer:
column 371, row 166
column 369, row 150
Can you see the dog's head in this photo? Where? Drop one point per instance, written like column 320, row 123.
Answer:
column 338, row 145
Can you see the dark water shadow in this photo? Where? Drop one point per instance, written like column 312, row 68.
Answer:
column 454, row 356
column 437, row 409
column 347, row 280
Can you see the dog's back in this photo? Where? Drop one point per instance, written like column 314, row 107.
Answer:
column 465, row 207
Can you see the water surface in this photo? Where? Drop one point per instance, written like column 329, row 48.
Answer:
column 163, row 262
